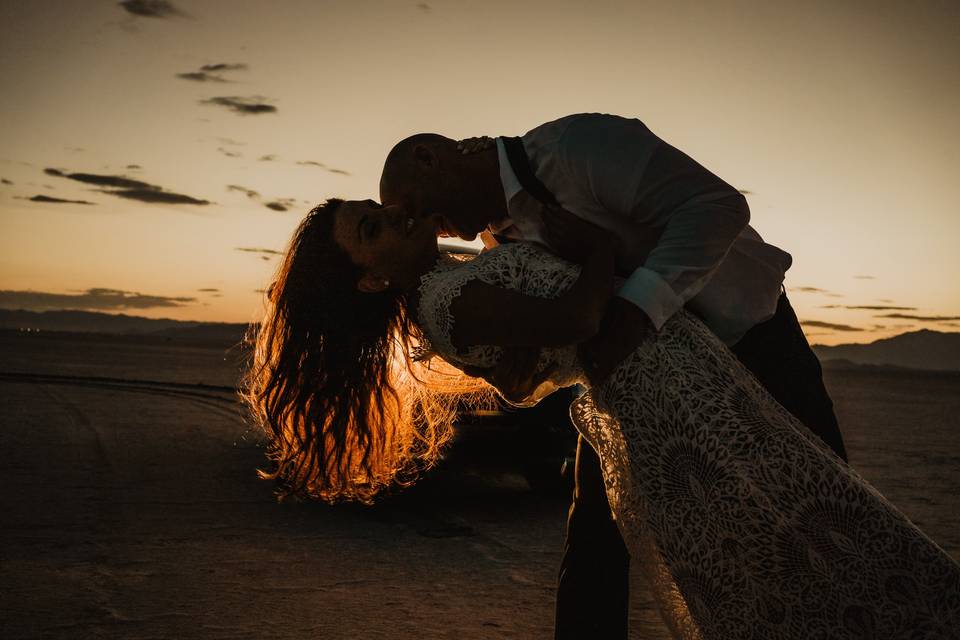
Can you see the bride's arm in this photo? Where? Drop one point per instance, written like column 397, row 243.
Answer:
column 486, row 314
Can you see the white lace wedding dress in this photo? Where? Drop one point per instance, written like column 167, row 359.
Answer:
column 746, row 525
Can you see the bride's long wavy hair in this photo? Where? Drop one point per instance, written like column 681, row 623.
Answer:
column 347, row 410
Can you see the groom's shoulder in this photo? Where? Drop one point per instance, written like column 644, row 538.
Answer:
column 580, row 125
column 587, row 120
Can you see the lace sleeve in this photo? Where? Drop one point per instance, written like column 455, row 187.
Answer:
column 438, row 289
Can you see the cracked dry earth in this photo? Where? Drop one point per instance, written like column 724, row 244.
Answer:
column 132, row 511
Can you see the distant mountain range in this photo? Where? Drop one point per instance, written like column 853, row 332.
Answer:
column 120, row 324
column 931, row 350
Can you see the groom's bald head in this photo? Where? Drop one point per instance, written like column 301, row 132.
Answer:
column 427, row 174
column 413, row 161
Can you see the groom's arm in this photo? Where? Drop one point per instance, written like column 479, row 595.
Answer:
column 642, row 181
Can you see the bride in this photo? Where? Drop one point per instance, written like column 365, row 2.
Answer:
column 746, row 524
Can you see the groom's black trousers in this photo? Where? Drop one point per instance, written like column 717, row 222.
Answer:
column 593, row 591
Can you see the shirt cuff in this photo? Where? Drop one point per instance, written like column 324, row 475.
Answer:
column 646, row 289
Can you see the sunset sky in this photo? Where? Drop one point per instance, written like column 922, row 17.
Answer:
column 193, row 135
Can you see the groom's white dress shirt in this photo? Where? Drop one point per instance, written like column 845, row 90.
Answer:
column 617, row 174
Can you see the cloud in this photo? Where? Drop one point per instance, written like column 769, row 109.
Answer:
column 134, row 166
column 265, row 254
column 232, row 142
column 224, row 66
column 277, row 204
column 210, row 72
column 200, row 76
column 270, row 157
column 117, row 182
column 867, row 307
column 229, row 154
column 96, row 299
column 951, row 324
column 864, row 277
column 808, row 289
column 745, row 192
column 209, row 290
column 52, row 200
column 5, row 181
column 252, row 105
column 281, row 204
column 829, row 325
column 128, row 188
column 320, row 165
column 150, row 8
column 906, row 316
column 156, row 197
column 250, row 193
column 423, row 6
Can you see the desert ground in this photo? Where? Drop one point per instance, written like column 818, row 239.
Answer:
column 131, row 508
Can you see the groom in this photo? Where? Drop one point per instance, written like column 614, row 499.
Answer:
column 685, row 242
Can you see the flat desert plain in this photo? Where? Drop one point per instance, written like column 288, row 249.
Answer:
column 131, row 509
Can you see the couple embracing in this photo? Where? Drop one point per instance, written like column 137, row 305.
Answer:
column 709, row 454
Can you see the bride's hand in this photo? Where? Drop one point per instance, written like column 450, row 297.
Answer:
column 473, row 145
column 574, row 238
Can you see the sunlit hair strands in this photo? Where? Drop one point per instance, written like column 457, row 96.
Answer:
column 347, row 410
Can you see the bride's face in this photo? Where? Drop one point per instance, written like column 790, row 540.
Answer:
column 391, row 246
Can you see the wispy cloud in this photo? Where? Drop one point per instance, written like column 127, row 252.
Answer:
column 270, row 157
column 250, row 193
column 212, row 72
column 231, row 142
column 134, row 166
column 229, row 154
column 200, row 76
column 265, row 254
column 276, row 204
column 829, row 325
column 745, row 192
column 320, row 165
column 906, row 316
column 282, row 204
column 52, row 200
column 151, row 8
column 867, row 307
column 209, row 290
column 809, row 289
column 96, row 299
column 5, row 181
column 252, row 105
column 220, row 67
column 864, row 277
column 423, row 6
column 128, row 188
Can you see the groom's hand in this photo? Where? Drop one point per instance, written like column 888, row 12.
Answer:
column 623, row 328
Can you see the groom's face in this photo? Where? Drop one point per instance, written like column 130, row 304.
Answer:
column 440, row 191
column 444, row 201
